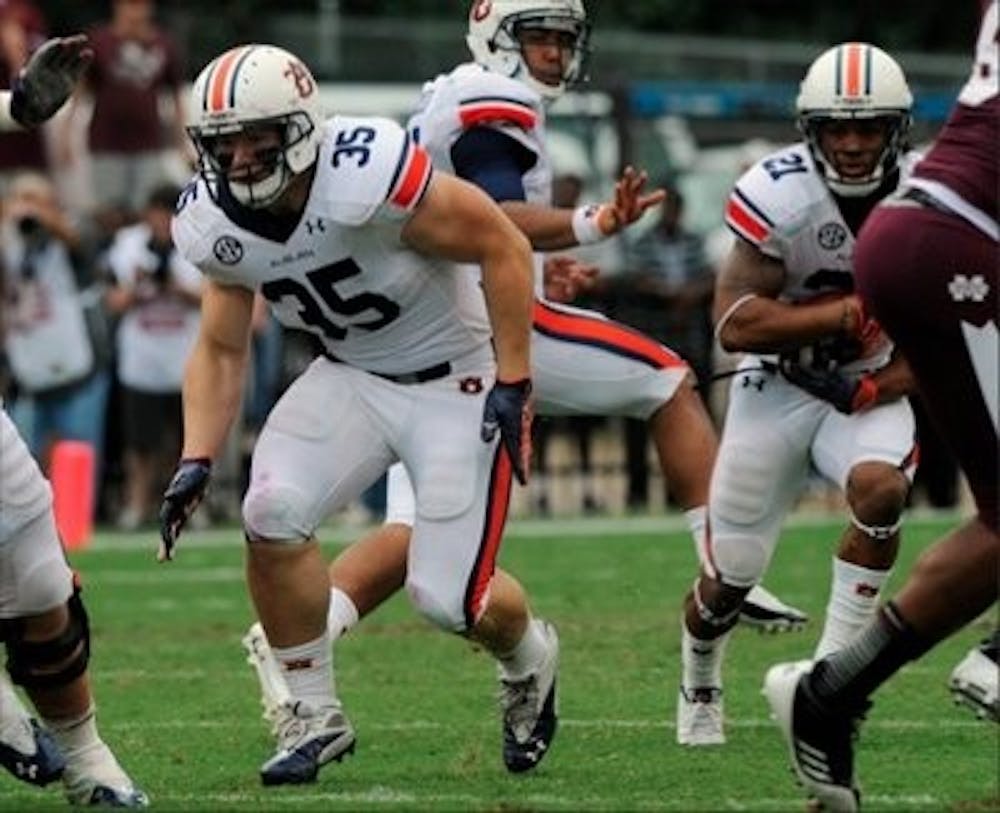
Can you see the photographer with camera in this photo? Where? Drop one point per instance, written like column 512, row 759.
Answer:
column 58, row 372
column 157, row 294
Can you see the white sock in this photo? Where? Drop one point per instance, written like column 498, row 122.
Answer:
column 308, row 671
column 696, row 520
column 530, row 651
column 76, row 736
column 701, row 660
column 342, row 615
column 853, row 602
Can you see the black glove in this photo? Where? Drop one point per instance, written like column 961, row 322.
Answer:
column 186, row 489
column 508, row 409
column 832, row 386
column 48, row 78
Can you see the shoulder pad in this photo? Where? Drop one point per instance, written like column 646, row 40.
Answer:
column 193, row 222
column 365, row 164
column 484, row 97
column 772, row 191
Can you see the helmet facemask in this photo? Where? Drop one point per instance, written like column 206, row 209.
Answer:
column 274, row 165
column 269, row 98
column 896, row 126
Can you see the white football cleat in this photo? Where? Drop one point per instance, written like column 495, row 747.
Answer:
column 27, row 750
column 975, row 682
column 768, row 613
column 95, row 779
column 274, row 693
column 530, row 709
column 700, row 717
column 308, row 738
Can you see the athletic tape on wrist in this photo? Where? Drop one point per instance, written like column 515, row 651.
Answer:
column 585, row 227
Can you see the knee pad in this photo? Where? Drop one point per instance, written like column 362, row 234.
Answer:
column 54, row 663
column 740, row 559
column 742, row 488
column 446, row 612
column 275, row 513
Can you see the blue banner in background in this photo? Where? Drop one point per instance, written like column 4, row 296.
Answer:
column 753, row 100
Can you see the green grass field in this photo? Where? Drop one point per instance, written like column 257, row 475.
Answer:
column 180, row 706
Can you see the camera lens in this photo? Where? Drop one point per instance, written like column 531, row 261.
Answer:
column 28, row 226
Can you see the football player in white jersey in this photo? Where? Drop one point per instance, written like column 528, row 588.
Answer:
column 819, row 385
column 348, row 232
column 926, row 263
column 485, row 121
column 43, row 622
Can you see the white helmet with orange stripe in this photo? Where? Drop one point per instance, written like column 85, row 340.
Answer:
column 496, row 26
column 255, row 88
column 857, row 82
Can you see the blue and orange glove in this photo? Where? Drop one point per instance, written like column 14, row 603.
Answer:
column 508, row 410
column 833, row 386
column 186, row 490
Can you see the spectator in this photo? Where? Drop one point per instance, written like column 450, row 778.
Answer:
column 22, row 29
column 157, row 294
column 59, row 372
column 134, row 60
column 667, row 295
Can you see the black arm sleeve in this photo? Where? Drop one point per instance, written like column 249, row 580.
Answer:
column 493, row 161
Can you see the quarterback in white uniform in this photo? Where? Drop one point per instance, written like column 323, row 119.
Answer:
column 347, row 231
column 819, row 386
column 43, row 621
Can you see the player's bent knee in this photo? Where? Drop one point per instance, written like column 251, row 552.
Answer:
column 275, row 513
column 876, row 494
column 446, row 612
column 52, row 663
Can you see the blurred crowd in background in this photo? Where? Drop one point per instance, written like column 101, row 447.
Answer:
column 99, row 310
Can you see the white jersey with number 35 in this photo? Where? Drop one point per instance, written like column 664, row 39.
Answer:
column 341, row 271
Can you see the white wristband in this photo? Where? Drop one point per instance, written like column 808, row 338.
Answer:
column 585, row 228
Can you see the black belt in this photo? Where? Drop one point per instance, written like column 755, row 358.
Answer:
column 925, row 199
column 418, row 377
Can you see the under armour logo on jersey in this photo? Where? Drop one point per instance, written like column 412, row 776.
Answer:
column 963, row 288
column 754, row 381
column 317, row 225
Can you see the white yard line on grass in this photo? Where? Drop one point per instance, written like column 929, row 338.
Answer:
column 380, row 796
column 635, row 725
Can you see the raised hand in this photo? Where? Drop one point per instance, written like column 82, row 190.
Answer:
column 48, row 78
column 629, row 202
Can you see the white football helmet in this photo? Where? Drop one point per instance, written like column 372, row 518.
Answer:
column 256, row 86
column 493, row 40
column 855, row 80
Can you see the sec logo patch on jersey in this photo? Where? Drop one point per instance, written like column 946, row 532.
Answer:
column 831, row 236
column 228, row 250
